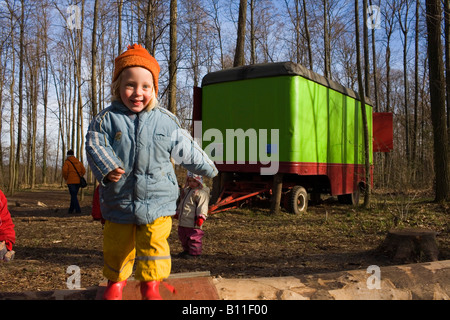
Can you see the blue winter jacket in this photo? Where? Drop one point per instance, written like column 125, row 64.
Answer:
column 141, row 144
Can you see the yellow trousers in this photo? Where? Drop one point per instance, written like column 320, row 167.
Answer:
column 125, row 244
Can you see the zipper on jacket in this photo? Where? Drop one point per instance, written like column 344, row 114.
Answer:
column 136, row 133
column 184, row 202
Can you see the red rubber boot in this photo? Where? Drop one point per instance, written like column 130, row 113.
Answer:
column 150, row 290
column 114, row 290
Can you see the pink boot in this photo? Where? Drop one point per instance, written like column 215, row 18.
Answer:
column 114, row 290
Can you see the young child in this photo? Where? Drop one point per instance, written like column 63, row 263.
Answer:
column 7, row 232
column 192, row 212
column 129, row 147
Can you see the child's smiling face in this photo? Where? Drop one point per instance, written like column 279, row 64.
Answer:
column 136, row 88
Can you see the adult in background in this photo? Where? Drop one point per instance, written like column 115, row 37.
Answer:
column 72, row 170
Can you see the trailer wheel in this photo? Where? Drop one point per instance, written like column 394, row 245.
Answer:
column 298, row 200
column 352, row 198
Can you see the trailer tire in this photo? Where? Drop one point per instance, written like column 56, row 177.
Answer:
column 298, row 200
column 352, row 198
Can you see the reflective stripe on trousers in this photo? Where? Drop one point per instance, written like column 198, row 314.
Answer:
column 124, row 244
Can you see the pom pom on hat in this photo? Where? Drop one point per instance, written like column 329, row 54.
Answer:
column 137, row 56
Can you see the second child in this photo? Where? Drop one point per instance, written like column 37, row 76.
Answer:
column 192, row 212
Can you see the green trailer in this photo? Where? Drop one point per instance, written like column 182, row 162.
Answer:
column 283, row 120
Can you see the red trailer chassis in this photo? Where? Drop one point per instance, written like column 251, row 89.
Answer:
column 237, row 192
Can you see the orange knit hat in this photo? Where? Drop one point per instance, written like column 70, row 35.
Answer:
column 137, row 56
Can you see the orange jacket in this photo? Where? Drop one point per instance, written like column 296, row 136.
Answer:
column 69, row 173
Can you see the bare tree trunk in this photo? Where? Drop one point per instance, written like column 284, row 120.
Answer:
column 28, row 129
column 416, row 90
column 239, row 56
column 437, row 96
column 219, row 32
column 94, row 104
column 60, row 97
column 173, row 57
column 422, row 114
column 44, row 79
column 195, row 33
column 375, row 71
column 389, row 19
column 404, row 28
column 153, row 30
column 102, row 89
column 33, row 120
column 447, row 58
column 308, row 37
column 366, row 51
column 94, row 77
column 12, row 166
column 389, row 27
column 71, row 137
column 295, row 18
column 21, row 79
column 119, row 26
column 79, row 115
column 363, row 109
column 252, row 33
column 378, row 157
column 140, row 22
column 326, row 41
column 80, row 126
column 148, row 29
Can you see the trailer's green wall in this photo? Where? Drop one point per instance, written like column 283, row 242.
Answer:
column 316, row 124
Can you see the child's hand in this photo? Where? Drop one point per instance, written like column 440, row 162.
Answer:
column 115, row 175
column 199, row 221
column 3, row 250
column 5, row 255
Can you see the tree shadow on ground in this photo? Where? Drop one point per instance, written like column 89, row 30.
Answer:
column 24, row 212
column 233, row 266
column 64, row 256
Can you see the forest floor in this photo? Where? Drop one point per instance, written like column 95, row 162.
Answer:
column 241, row 243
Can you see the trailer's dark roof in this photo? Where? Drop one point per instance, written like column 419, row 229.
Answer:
column 275, row 70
